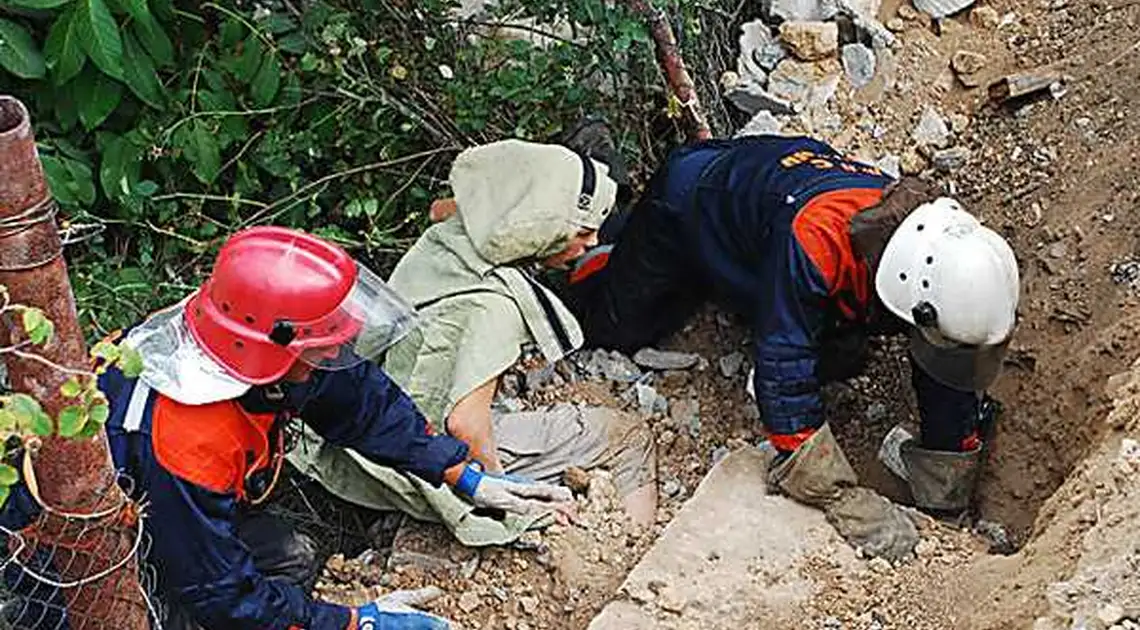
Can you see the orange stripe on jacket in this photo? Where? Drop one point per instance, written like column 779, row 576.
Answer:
column 213, row 446
column 822, row 228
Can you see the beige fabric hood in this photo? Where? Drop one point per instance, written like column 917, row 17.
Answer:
column 520, row 200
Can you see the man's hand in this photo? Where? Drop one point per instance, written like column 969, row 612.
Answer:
column 394, row 612
column 513, row 495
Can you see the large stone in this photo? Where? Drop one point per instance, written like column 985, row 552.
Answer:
column 859, row 63
column 738, row 554
column 751, row 98
column 655, row 359
column 967, row 62
column 764, row 123
column 811, row 41
column 803, row 9
column 760, row 51
column 795, row 81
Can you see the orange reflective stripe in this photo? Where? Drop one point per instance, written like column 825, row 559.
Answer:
column 596, row 263
column 214, row 446
column 822, row 229
column 792, row 441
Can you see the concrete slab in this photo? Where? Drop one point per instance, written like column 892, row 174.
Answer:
column 733, row 557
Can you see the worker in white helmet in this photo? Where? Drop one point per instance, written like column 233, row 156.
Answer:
column 817, row 251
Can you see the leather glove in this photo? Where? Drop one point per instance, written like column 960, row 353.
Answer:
column 508, row 493
column 394, row 612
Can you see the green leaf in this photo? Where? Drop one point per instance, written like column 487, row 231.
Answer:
column 99, row 35
column 29, row 414
column 250, row 60
column 89, row 431
column 59, row 180
column 203, row 152
column 139, row 73
column 121, row 162
column 154, row 39
column 98, row 95
column 277, row 23
column 19, row 53
column 266, row 82
column 37, row 4
column 8, row 475
column 82, row 180
column 63, row 51
column 32, row 319
column 99, row 413
column 130, row 362
column 71, row 388
column 7, row 421
column 4, row 492
column 106, row 351
column 294, row 43
column 71, row 420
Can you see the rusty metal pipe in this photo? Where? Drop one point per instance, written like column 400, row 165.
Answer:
column 74, row 476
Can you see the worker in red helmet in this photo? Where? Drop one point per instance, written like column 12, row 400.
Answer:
column 276, row 333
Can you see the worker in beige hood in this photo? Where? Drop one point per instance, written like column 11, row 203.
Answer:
column 518, row 207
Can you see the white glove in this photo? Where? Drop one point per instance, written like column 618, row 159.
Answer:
column 510, row 494
column 394, row 611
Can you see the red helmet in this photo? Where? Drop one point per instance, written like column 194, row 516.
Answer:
column 277, row 295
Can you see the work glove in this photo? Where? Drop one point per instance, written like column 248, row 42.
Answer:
column 511, row 494
column 818, row 474
column 394, row 612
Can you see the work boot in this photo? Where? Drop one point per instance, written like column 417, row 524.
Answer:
column 818, row 474
column 941, row 482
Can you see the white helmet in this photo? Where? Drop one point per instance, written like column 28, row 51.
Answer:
column 957, row 282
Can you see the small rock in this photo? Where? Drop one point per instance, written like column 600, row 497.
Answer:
column 686, row 413
column 719, row 453
column 529, row 605
column 931, row 130
column 896, row 25
column 538, row 377
column 671, row 600
column 907, row 12
column 655, row 359
column 890, row 164
column 646, row 398
column 469, row 601
column 832, row 623
column 614, row 366
column 802, row 10
column 1058, row 250
column 751, row 98
column 880, row 565
column 730, row 364
column 764, row 123
column 959, row 123
column 795, row 81
column 577, row 479
column 985, row 17
column 671, row 488
column 967, row 62
column 912, row 163
column 941, row 8
column 760, row 51
column 947, row 160
column 810, row 41
column 859, row 62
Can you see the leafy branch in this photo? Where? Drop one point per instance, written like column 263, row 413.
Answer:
column 23, row 417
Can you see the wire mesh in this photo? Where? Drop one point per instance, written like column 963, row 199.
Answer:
column 75, row 572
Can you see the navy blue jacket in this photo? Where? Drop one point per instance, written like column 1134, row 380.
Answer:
column 769, row 221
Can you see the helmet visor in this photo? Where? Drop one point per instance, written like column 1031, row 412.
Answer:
column 369, row 320
column 959, row 366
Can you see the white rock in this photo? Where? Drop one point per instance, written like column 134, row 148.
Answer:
column 931, row 130
column 751, row 98
column 810, row 41
column 764, row 123
column 795, row 80
column 859, row 63
column 890, row 164
column 803, row 9
column 941, row 8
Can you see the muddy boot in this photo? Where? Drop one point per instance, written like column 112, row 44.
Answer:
column 941, row 482
column 819, row 475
